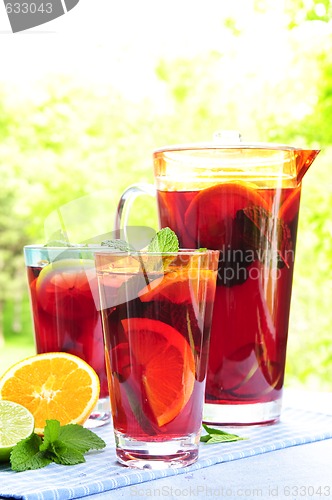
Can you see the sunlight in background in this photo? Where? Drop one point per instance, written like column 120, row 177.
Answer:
column 120, row 42
column 87, row 97
column 101, row 42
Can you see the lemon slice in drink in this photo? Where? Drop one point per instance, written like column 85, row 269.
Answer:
column 16, row 423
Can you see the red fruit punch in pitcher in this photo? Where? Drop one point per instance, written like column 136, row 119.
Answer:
column 244, row 201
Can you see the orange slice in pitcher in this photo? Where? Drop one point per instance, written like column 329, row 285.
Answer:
column 183, row 286
column 290, row 207
column 166, row 364
column 211, row 212
column 54, row 385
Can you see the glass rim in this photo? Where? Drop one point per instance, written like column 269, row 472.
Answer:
column 101, row 249
column 61, row 247
column 181, row 251
column 201, row 146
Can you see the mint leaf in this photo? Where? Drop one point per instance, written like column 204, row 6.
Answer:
column 165, row 240
column 51, row 434
column 205, row 438
column 212, row 430
column 26, row 455
column 80, row 438
column 121, row 245
column 66, row 455
column 67, row 444
column 218, row 436
column 63, row 445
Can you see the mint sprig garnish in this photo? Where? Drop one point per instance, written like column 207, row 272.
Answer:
column 117, row 244
column 164, row 241
column 62, row 444
column 218, row 436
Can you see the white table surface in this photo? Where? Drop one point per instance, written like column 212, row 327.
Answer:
column 298, row 472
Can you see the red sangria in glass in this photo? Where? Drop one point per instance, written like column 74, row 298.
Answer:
column 157, row 313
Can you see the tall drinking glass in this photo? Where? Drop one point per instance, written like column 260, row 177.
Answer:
column 242, row 199
column 65, row 309
column 157, row 313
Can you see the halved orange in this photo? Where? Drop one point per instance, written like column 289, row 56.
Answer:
column 211, row 212
column 181, row 287
column 64, row 288
column 54, row 385
column 166, row 365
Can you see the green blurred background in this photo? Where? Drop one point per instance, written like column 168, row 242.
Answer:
column 255, row 66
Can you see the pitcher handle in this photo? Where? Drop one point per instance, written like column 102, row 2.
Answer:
column 126, row 200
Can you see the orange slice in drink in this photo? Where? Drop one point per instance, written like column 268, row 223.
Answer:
column 209, row 216
column 183, row 286
column 53, row 385
column 64, row 288
column 166, row 366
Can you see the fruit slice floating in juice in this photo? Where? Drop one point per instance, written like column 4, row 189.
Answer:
column 167, row 388
column 211, row 213
column 290, row 208
column 63, row 288
column 180, row 287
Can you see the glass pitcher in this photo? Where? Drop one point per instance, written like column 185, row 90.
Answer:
column 242, row 199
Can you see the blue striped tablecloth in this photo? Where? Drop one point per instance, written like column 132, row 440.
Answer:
column 102, row 473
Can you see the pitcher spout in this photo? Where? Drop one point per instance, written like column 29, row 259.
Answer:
column 304, row 158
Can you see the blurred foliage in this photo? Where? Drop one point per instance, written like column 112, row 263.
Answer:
column 309, row 359
column 64, row 140
column 309, row 10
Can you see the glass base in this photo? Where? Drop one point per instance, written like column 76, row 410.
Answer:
column 242, row 414
column 174, row 453
column 101, row 414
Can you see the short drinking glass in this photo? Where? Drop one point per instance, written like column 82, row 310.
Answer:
column 65, row 309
